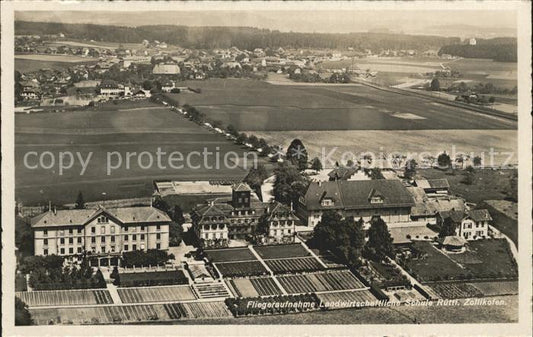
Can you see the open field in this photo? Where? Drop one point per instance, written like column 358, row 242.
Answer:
column 332, row 144
column 156, row 294
column 327, row 281
column 497, row 288
column 483, row 259
column 64, row 297
column 101, row 132
column 281, row 251
column 230, row 254
column 260, row 106
column 32, row 62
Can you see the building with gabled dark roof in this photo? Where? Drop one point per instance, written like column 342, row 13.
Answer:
column 360, row 199
column 102, row 232
column 237, row 217
column 469, row 224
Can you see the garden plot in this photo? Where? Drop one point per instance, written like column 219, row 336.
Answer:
column 205, row 310
column 156, row 294
column 320, row 282
column 230, row 254
column 64, row 297
column 281, row 251
column 294, row 265
column 254, row 287
column 241, row 269
column 456, row 290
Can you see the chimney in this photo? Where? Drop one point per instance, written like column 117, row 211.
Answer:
column 49, row 205
column 291, row 207
column 55, row 210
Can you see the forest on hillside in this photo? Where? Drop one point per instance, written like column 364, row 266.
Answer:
column 498, row 49
column 240, row 37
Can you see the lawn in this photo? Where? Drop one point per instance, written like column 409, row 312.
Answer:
column 29, row 63
column 260, row 106
column 124, row 130
column 230, row 254
column 281, row 251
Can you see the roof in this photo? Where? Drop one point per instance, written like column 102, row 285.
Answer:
column 280, row 211
column 433, row 183
column 454, row 241
column 407, row 234
column 357, row 194
column 241, row 187
column 79, row 217
column 342, row 173
column 108, row 84
column 456, row 216
column 166, row 69
column 480, row 215
column 475, row 214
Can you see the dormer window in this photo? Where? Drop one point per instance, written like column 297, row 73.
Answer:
column 102, row 219
column 376, row 200
column 327, row 202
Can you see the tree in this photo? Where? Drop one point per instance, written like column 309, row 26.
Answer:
column 232, row 130
column 22, row 315
column 444, row 161
column 379, row 243
column 289, row 184
column 435, row 85
column 256, row 176
column 80, row 203
column 177, row 215
column 410, row 169
column 147, row 85
column 297, row 154
column 477, row 161
column 316, row 164
column 242, row 138
column 175, row 234
column 161, row 204
column 375, row 173
column 492, row 99
column 448, row 228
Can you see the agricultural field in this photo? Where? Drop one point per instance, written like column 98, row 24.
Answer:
column 319, row 282
column 281, row 251
column 254, row 287
column 64, row 297
column 241, row 269
column 156, row 294
column 230, row 254
column 484, row 259
column 199, row 310
column 33, row 62
column 488, row 259
column 118, row 131
column 498, row 288
column 331, row 145
column 294, row 265
column 345, row 299
column 456, row 290
column 259, row 106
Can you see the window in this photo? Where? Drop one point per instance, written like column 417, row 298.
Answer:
column 158, row 236
column 102, row 249
column 71, row 250
column 103, row 239
column 158, row 246
column 45, row 232
column 126, row 247
column 112, row 239
column 158, row 227
column 93, row 230
column 134, row 237
column 93, row 240
column 102, row 219
column 102, row 230
column 61, row 232
column 70, row 231
column 79, row 240
column 142, row 236
column 134, row 247
column 79, row 230
column 79, row 250
column 142, row 228
column 126, row 237
column 62, row 241
column 112, row 249
column 125, row 229
column 112, row 229
column 45, row 252
column 62, row 250
column 71, row 240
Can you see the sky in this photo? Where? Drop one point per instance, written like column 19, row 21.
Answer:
column 438, row 22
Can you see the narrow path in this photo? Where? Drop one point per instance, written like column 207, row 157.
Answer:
column 409, row 277
column 250, row 247
column 313, row 254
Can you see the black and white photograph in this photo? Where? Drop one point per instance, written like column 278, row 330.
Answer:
column 279, row 165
